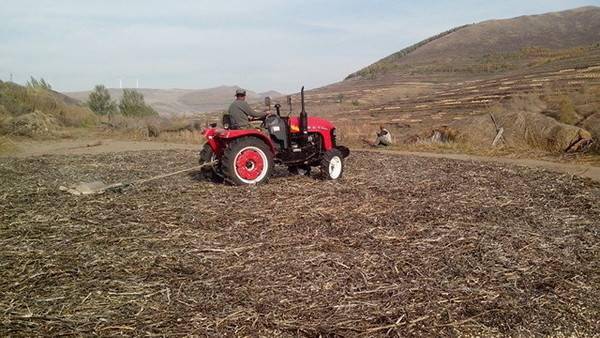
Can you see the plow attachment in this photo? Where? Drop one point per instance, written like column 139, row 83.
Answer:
column 98, row 187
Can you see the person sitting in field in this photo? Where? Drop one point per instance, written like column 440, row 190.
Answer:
column 384, row 138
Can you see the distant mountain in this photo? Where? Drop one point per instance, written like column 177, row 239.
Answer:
column 495, row 45
column 185, row 101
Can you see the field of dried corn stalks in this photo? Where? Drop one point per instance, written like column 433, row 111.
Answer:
column 400, row 246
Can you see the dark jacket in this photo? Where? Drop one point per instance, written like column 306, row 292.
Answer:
column 239, row 111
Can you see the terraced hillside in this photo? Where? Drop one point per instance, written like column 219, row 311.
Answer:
column 448, row 101
column 414, row 102
column 434, row 84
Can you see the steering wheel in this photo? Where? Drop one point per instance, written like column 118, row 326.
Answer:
column 268, row 118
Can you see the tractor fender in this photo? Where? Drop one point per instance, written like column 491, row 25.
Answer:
column 210, row 136
column 344, row 150
column 225, row 136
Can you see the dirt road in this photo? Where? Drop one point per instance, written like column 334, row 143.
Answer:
column 93, row 146
column 565, row 168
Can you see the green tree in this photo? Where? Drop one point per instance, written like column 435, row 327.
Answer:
column 33, row 83
column 41, row 84
column 100, row 101
column 132, row 104
column 44, row 84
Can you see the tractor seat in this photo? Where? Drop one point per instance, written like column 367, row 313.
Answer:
column 278, row 129
column 227, row 122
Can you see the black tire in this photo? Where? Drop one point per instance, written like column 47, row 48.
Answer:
column 332, row 164
column 256, row 157
column 206, row 156
column 303, row 170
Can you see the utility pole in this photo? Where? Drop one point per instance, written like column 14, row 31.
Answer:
column 137, row 84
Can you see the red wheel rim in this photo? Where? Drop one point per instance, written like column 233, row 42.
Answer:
column 249, row 164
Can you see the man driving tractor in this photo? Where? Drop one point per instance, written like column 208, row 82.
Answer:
column 240, row 112
column 248, row 156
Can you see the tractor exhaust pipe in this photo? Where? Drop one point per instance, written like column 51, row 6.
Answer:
column 303, row 116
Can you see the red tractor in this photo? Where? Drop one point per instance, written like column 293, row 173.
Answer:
column 247, row 156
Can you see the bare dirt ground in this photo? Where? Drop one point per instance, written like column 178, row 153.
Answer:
column 587, row 171
column 91, row 146
column 97, row 146
column 403, row 245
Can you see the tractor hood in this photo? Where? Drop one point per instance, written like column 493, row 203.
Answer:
column 314, row 124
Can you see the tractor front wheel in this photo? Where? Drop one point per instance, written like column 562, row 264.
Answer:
column 332, row 164
column 246, row 161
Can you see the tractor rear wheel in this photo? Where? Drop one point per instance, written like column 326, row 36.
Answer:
column 332, row 164
column 247, row 160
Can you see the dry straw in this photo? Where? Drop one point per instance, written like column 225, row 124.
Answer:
column 401, row 246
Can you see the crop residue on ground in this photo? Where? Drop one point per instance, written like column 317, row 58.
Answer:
column 404, row 245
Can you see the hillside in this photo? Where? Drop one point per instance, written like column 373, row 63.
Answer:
column 547, row 66
column 33, row 112
column 492, row 46
column 184, row 101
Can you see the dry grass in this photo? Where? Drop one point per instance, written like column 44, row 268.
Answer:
column 185, row 130
column 401, row 246
column 184, row 136
column 7, row 146
column 353, row 134
column 77, row 117
column 39, row 113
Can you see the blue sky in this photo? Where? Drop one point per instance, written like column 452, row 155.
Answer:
column 260, row 45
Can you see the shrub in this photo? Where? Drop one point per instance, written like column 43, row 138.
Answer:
column 100, row 101
column 33, row 124
column 76, row 117
column 40, row 108
column 132, row 104
column 567, row 114
column 41, row 84
column 6, row 145
column 4, row 120
column 524, row 103
column 15, row 99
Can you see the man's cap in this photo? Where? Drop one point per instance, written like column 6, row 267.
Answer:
column 240, row 92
